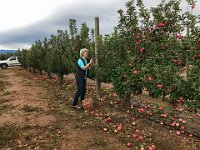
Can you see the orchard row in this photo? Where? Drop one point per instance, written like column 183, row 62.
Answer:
column 156, row 50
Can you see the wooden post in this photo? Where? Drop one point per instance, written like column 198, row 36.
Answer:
column 98, row 83
column 187, row 61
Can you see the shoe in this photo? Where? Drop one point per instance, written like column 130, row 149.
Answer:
column 76, row 107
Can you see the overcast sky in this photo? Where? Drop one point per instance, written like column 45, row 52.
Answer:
column 24, row 21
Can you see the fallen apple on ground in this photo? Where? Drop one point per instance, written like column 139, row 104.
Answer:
column 129, row 145
column 141, row 138
column 134, row 136
column 105, row 129
column 109, row 119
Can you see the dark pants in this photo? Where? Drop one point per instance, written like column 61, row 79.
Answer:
column 81, row 90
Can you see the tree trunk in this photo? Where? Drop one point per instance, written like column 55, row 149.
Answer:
column 34, row 70
column 127, row 100
column 49, row 75
column 61, row 76
column 41, row 72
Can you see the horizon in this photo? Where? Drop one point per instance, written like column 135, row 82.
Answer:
column 8, row 49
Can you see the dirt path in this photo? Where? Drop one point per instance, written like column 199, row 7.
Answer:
column 28, row 120
column 25, row 101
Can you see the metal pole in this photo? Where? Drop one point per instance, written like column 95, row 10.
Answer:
column 98, row 83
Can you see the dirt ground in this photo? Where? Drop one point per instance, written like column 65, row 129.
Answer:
column 35, row 113
column 32, row 123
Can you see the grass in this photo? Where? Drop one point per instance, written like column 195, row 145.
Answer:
column 6, row 108
column 28, row 108
column 7, row 134
column 2, row 101
column 7, row 93
column 1, row 75
column 2, row 85
column 27, row 136
column 100, row 142
column 22, row 137
column 27, row 83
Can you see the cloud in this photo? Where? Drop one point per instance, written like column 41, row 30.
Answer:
column 58, row 19
column 82, row 11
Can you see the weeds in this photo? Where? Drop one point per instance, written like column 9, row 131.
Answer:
column 7, row 134
column 28, row 108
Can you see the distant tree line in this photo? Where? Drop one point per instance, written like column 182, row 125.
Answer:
column 6, row 56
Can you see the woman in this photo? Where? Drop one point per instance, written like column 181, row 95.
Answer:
column 81, row 76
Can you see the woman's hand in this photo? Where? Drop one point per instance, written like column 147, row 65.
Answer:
column 91, row 61
column 89, row 64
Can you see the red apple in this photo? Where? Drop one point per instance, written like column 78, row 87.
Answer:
column 169, row 90
column 138, row 36
column 109, row 119
column 134, row 136
column 160, row 86
column 196, row 56
column 142, row 50
column 164, row 115
column 178, row 132
column 137, row 131
column 136, row 72
column 161, row 115
column 150, row 148
column 181, row 98
column 119, row 128
column 177, row 109
column 153, row 146
column 141, row 109
column 173, row 124
column 175, row 116
column 129, row 144
column 160, row 108
column 174, row 61
column 149, row 78
column 180, row 119
column 141, row 138
column 105, row 129
column 180, row 62
column 160, row 24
